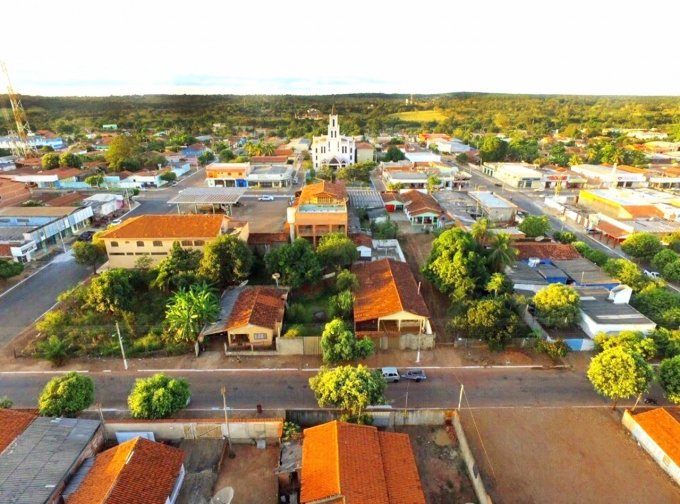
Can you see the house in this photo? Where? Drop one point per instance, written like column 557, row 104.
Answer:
column 350, row 463
column 137, row 471
column 545, row 251
column 59, row 178
column 104, row 204
column 658, row 432
column 320, row 209
column 417, row 154
column 143, row 179
column 609, row 312
column 39, row 455
column 333, row 149
column 35, row 141
column 392, row 201
column 365, row 152
column 566, row 179
column 250, row 317
column 447, row 145
column 494, row 207
column 388, row 300
column 519, row 175
column 421, row 209
column 154, row 236
column 194, row 150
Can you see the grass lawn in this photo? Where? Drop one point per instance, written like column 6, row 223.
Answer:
column 420, row 116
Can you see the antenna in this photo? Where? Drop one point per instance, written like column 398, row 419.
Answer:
column 22, row 147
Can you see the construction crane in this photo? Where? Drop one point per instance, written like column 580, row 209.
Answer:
column 19, row 139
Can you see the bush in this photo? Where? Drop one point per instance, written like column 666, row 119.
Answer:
column 66, row 395
column 667, row 341
column 158, row 396
column 297, row 313
column 294, row 331
column 385, row 230
column 659, row 304
column 564, row 236
column 291, row 430
column 341, row 305
column 595, row 256
column 9, row 269
column 664, row 257
column 671, row 271
column 6, row 402
column 346, row 281
column 54, row 349
column 554, row 349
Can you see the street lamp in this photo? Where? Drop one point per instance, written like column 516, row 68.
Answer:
column 276, row 277
column 223, row 390
column 120, row 341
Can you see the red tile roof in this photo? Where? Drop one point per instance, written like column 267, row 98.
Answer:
column 643, row 210
column 69, row 199
column 361, row 239
column 364, row 145
column 335, row 190
column 419, row 203
column 350, row 462
column 390, row 197
column 135, row 472
column 269, row 159
column 546, row 250
column 282, row 151
column 664, row 429
column 13, row 423
column 260, row 306
column 168, row 226
column 612, row 230
column 386, row 287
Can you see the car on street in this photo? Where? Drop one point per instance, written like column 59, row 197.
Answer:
column 86, row 236
column 391, row 374
column 115, row 222
column 416, row 375
column 266, row 197
column 653, row 274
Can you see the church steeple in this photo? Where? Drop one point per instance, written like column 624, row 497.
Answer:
column 333, row 125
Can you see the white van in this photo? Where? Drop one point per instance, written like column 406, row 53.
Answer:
column 391, row 374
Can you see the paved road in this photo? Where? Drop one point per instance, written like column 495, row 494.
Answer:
column 21, row 306
column 485, row 387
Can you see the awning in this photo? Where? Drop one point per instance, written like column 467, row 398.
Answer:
column 612, row 230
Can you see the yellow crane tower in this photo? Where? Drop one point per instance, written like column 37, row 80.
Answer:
column 19, row 138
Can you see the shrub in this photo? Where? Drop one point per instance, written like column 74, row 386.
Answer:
column 291, row 430
column 158, row 396
column 346, row 280
column 6, row 402
column 341, row 305
column 54, row 349
column 554, row 349
column 297, row 313
column 664, row 257
column 671, row 271
column 9, row 269
column 66, row 395
column 596, row 256
column 564, row 236
column 667, row 341
column 294, row 331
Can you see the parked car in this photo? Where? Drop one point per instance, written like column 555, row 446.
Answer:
column 266, row 197
column 238, row 204
column 86, row 236
column 115, row 222
column 391, row 374
column 416, row 375
column 653, row 274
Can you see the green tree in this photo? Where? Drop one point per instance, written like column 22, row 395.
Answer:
column 346, row 281
column 575, row 159
column 493, row 149
column 8, row 269
column 66, row 395
column 596, row 256
column 55, row 349
column 158, row 396
column 667, row 341
column 6, row 402
column 558, row 155
column 671, row 271
column 336, row 250
column 433, row 182
column 227, row 260
column 669, row 378
column 88, row 254
column 564, row 236
column 501, row 252
column 49, row 161
column 122, row 153
column 206, row 158
column 226, row 155
column 386, row 230
column 490, row 320
column 169, row 176
column 342, row 304
column 626, row 272
column 178, row 269
column 642, row 245
column 188, row 311
column 633, row 341
column 94, row 180
column 557, row 305
column 659, row 304
column 352, row 389
column 394, row 154
column 618, row 373
column 111, row 291
column 534, row 226
column 498, row 284
column 70, row 160
column 664, row 257
column 338, row 343
column 480, row 231
column 297, row 263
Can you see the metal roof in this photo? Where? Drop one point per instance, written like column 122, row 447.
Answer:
column 208, row 196
column 39, row 459
column 603, row 311
column 584, row 272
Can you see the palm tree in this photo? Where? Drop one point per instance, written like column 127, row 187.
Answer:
column 265, row 149
column 480, row 231
column 188, row 311
column 501, row 253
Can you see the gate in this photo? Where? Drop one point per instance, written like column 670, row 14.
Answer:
column 310, row 345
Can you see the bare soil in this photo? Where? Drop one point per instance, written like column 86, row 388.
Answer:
column 251, row 474
column 442, row 470
column 563, row 455
column 201, row 461
column 262, row 216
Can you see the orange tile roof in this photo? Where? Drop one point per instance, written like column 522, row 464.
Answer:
column 260, row 306
column 13, row 423
column 269, row 159
column 168, row 226
column 546, row 250
column 418, row 203
column 643, row 210
column 349, row 462
column 612, row 230
column 664, row 429
column 364, row 145
column 386, row 287
column 361, row 239
column 335, row 190
column 390, row 197
column 135, row 472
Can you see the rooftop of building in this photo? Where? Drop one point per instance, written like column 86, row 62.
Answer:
column 491, row 200
column 584, row 272
column 545, row 250
column 13, row 423
column 664, row 429
column 520, row 170
column 46, row 211
column 324, row 189
column 260, row 306
column 170, row 226
column 603, row 311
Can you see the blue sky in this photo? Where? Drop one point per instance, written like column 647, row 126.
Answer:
column 79, row 47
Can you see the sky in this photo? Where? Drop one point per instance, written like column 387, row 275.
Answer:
column 85, row 47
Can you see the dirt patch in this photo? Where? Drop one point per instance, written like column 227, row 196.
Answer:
column 441, row 467
column 262, row 216
column 251, row 474
column 201, row 462
column 563, row 455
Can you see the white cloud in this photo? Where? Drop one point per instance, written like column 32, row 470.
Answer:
column 303, row 47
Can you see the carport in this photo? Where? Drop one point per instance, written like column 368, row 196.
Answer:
column 222, row 197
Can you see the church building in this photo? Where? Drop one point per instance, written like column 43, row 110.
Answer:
column 333, row 150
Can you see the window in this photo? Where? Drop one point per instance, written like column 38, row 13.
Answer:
column 198, row 243
column 114, row 243
column 260, row 336
column 116, row 253
column 157, row 243
column 140, row 243
column 187, row 243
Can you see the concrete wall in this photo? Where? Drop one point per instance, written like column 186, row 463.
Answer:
column 240, row 430
column 650, row 446
column 470, row 463
column 290, row 346
column 126, row 254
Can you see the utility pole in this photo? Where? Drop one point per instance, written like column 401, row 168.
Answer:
column 122, row 350
column 460, row 397
column 223, row 390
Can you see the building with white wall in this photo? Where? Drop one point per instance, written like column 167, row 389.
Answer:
column 333, row 149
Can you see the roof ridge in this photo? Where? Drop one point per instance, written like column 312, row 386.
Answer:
column 133, row 443
column 394, row 283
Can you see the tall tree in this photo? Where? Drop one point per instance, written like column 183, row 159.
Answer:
column 336, row 250
column 178, row 269
column 338, row 343
column 188, row 311
column 501, row 252
column 297, row 263
column 88, row 254
column 111, row 291
column 122, row 153
column 480, row 231
column 227, row 260
column 618, row 373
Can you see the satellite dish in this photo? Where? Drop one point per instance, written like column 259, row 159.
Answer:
column 539, row 238
column 224, row 496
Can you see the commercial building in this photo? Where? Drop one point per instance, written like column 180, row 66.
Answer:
column 494, row 207
column 249, row 175
column 519, row 175
column 154, row 235
column 417, row 154
column 612, row 176
column 619, row 203
column 320, row 209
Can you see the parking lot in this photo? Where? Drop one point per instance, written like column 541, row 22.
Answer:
column 263, row 216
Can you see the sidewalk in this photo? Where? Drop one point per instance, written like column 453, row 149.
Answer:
column 444, row 356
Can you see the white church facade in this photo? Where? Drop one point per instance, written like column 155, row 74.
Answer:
column 333, row 150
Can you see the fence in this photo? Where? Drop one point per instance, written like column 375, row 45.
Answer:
column 475, row 343
column 470, row 463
